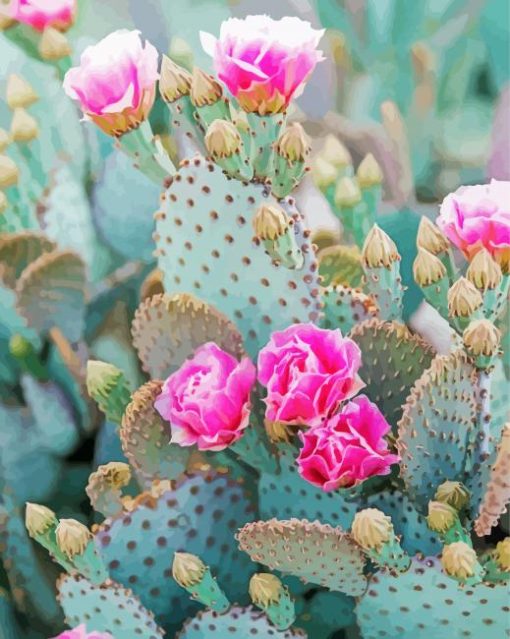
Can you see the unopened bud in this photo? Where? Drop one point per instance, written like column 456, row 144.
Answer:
column 265, row 589
column 4, row 202
column 430, row 237
column 9, row 173
column 335, row 152
column 459, row 560
column 38, row 519
column 270, row 222
column 379, row 249
column 481, row 337
column 483, row 271
column 187, row 569
column 463, row 298
column 4, row 140
column 502, row 554
column 54, row 45
column 72, row 537
column 441, row 516
column 115, row 474
column 180, row 52
column 222, row 139
column 277, row 431
column 204, row 88
column 19, row 93
column 369, row 172
column 324, row 174
column 23, row 126
column 174, row 81
column 453, row 493
column 293, row 144
column 371, row 528
column 427, row 268
column 347, row 192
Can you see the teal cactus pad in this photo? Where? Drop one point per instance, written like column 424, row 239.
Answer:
column 206, row 245
column 200, row 517
column 435, row 432
column 286, row 494
column 344, row 307
column 326, row 612
column 424, row 602
column 18, row 250
column 168, row 328
column 237, row 623
column 108, row 608
column 315, row 552
column 392, row 360
column 11, row 321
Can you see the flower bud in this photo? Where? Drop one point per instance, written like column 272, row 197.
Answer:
column 9, row 172
column 441, row 516
column 72, row 537
column 20, row 93
column 38, row 519
column 379, row 249
column 369, row 172
column 347, row 192
column 222, row 139
column 427, row 268
column 481, row 337
column 115, row 474
column 174, row 81
column 324, row 173
column 4, row 202
column 187, row 569
column 459, row 560
column 335, row 152
column 6, row 22
column 204, row 88
column 4, row 140
column 265, row 589
column 483, row 271
column 270, row 222
column 371, row 528
column 54, row 45
column 23, row 126
column 181, row 52
column 463, row 298
column 453, row 493
column 293, row 144
column 277, row 431
column 430, row 237
column 502, row 554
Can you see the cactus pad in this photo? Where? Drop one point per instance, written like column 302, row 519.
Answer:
column 341, row 265
column 18, row 250
column 108, row 608
column 344, row 307
column 168, row 328
column 317, row 553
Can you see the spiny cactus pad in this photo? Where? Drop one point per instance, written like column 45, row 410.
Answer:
column 315, row 552
column 435, row 431
column 108, row 608
column 424, row 602
column 206, row 245
column 237, row 623
column 392, row 360
column 345, row 307
column 18, row 250
column 200, row 517
column 341, row 265
column 168, row 328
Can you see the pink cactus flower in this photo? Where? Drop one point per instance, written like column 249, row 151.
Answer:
column 115, row 83
column 207, row 401
column 476, row 216
column 347, row 449
column 40, row 14
column 80, row 632
column 308, row 371
column 264, row 62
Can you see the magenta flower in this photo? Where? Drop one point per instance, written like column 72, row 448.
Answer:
column 476, row 216
column 115, row 83
column 40, row 14
column 264, row 62
column 207, row 401
column 348, row 448
column 80, row 632
column 308, row 371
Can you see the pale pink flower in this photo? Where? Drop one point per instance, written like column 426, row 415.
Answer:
column 80, row 632
column 264, row 62
column 308, row 371
column 207, row 401
column 115, row 83
column 476, row 216
column 40, row 14
column 348, row 448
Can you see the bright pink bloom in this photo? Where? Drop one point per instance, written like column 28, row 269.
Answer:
column 348, row 448
column 308, row 371
column 476, row 216
column 80, row 632
column 263, row 61
column 115, row 83
column 207, row 401
column 40, row 14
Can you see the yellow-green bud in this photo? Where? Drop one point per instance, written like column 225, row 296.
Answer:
column 204, row 88
column 38, row 519
column 270, row 222
column 222, row 139
column 430, row 237
column 20, row 93
column 265, row 589
column 187, row 569
column 277, row 431
column 483, row 271
column 335, row 152
column 369, row 172
column 5, row 140
column 23, row 126
column 427, row 268
column 459, row 560
column 371, row 528
column 481, row 337
column 453, row 493
column 174, row 81
column 441, row 516
column 379, row 249
column 9, row 173
column 463, row 298
column 181, row 52
column 72, row 537
column 293, row 144
column 54, row 45
column 347, row 192
column 324, row 173
column 114, row 474
column 502, row 554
